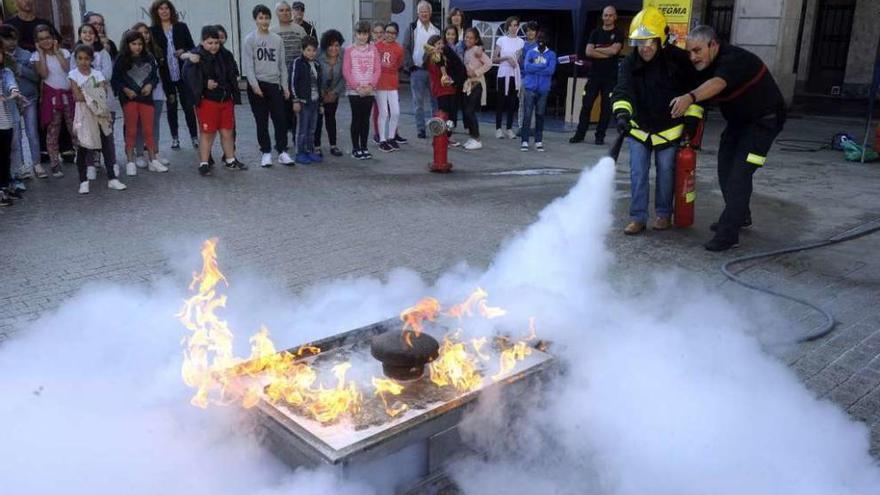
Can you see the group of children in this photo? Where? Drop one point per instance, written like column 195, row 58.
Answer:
column 457, row 65
column 80, row 91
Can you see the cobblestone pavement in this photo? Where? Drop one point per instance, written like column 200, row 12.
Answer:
column 347, row 218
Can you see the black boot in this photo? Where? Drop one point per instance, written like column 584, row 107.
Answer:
column 719, row 244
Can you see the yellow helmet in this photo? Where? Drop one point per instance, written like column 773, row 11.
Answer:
column 648, row 24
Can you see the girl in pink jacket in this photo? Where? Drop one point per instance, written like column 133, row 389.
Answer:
column 361, row 67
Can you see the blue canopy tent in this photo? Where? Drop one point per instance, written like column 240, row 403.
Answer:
column 578, row 9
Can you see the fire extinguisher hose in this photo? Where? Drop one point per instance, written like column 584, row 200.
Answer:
column 861, row 230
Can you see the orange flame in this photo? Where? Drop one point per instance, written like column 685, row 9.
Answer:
column 209, row 347
column 509, row 357
column 328, row 404
column 426, row 309
column 211, row 368
column 478, row 344
column 455, row 367
column 385, row 386
column 478, row 299
column 517, row 352
column 533, row 334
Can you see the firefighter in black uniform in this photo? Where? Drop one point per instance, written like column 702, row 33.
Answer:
column 649, row 77
column 752, row 105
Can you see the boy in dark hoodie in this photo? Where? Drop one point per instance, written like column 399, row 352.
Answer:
column 305, row 86
column 212, row 82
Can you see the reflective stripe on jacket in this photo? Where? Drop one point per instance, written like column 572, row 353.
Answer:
column 645, row 89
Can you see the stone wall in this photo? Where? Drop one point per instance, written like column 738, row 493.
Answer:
column 768, row 28
column 862, row 48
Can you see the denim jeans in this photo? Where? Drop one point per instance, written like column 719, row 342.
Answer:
column 307, row 120
column 17, row 160
column 421, row 91
column 31, row 115
column 533, row 102
column 639, row 167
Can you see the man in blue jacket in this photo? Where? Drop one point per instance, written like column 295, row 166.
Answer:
column 538, row 67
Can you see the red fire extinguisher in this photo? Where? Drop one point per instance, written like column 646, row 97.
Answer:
column 697, row 138
column 685, row 185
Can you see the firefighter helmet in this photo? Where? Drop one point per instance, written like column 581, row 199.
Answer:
column 648, row 24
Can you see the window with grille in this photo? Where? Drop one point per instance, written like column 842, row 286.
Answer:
column 719, row 15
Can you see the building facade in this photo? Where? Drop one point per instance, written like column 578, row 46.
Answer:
column 813, row 47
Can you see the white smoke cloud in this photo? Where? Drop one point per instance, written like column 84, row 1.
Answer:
column 656, row 396
column 664, row 393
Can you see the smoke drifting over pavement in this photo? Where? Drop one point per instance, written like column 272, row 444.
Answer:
column 655, row 397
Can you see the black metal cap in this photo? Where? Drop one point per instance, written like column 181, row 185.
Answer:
column 401, row 361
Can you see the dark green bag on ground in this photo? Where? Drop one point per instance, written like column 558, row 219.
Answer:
column 853, row 152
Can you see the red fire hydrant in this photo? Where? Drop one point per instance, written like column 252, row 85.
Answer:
column 438, row 128
column 685, row 185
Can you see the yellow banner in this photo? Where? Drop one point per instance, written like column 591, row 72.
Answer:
column 678, row 17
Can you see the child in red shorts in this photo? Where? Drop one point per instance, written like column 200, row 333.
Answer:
column 213, row 83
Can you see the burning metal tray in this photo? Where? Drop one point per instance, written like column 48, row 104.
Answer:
column 303, row 441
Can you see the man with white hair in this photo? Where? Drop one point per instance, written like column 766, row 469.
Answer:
column 291, row 33
column 419, row 32
column 753, row 106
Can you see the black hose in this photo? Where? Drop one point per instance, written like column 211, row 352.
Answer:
column 614, row 151
column 859, row 231
column 804, row 145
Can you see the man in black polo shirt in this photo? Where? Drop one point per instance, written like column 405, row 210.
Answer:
column 25, row 21
column 603, row 46
column 752, row 105
column 299, row 12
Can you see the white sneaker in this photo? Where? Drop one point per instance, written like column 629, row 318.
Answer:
column 499, row 133
column 84, row 187
column 266, row 161
column 130, row 169
column 510, row 134
column 40, row 171
column 472, row 144
column 140, row 162
column 524, row 146
column 116, row 185
column 116, row 169
column 91, row 172
column 284, row 158
column 156, row 166
column 539, row 146
column 163, row 160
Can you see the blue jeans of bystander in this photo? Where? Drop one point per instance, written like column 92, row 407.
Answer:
column 537, row 103
column 307, row 120
column 421, row 91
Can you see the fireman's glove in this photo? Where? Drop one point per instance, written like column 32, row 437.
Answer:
column 690, row 127
column 623, row 124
